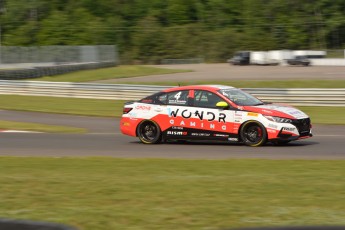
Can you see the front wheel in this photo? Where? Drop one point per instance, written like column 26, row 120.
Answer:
column 149, row 132
column 253, row 134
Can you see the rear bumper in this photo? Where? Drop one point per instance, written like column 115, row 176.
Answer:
column 128, row 126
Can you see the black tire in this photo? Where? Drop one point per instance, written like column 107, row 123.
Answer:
column 149, row 132
column 253, row 134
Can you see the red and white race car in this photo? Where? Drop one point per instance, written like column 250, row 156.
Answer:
column 212, row 112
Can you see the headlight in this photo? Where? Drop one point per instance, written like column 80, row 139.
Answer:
column 279, row 119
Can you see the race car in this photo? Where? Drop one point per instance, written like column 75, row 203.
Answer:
column 212, row 113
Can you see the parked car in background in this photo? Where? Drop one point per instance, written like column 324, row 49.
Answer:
column 299, row 60
column 240, row 58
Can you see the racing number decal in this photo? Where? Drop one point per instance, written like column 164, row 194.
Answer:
column 177, row 96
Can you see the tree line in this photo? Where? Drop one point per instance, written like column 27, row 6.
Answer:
column 149, row 31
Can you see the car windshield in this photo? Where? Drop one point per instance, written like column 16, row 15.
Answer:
column 240, row 97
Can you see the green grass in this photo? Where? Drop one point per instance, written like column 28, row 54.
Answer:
column 24, row 126
column 108, row 193
column 110, row 73
column 77, row 106
column 325, row 115
column 110, row 108
column 128, row 71
column 257, row 83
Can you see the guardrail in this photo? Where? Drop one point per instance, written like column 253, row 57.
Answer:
column 293, row 96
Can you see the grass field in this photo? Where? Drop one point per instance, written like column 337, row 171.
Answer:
column 108, row 193
column 77, row 106
column 23, row 126
column 124, row 71
column 110, row 108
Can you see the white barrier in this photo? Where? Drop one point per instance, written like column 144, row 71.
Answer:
column 327, row 62
column 293, row 96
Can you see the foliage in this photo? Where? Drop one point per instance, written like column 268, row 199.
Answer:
column 24, row 126
column 151, row 30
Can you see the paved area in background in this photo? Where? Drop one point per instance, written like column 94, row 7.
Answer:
column 224, row 71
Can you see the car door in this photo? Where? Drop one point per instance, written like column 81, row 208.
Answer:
column 215, row 122
column 178, row 103
column 193, row 114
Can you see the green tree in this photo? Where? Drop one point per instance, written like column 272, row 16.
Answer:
column 152, row 30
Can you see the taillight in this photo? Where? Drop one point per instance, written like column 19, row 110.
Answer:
column 126, row 110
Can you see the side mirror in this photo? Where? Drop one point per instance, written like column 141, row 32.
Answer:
column 222, row 105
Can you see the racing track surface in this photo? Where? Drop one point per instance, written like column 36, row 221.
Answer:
column 105, row 139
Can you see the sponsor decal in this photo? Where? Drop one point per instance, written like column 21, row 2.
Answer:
column 220, row 135
column 236, row 127
column 132, row 114
column 147, row 101
column 201, row 134
column 176, row 127
column 177, row 102
column 233, row 139
column 289, row 129
column 271, row 131
column 252, row 114
column 177, row 99
column 267, row 111
column 143, row 107
column 295, row 112
column 126, row 124
column 238, row 116
column 201, row 115
column 199, row 125
column 177, row 133
column 272, row 126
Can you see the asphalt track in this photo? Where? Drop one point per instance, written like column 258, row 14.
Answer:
column 226, row 72
column 104, row 139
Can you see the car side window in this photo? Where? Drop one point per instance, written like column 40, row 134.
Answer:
column 157, row 98
column 206, row 99
column 162, row 99
column 178, row 97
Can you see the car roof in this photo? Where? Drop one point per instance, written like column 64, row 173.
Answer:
column 199, row 87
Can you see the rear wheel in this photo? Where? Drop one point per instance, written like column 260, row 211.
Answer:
column 253, row 134
column 149, row 132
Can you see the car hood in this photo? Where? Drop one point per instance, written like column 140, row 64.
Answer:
column 278, row 110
